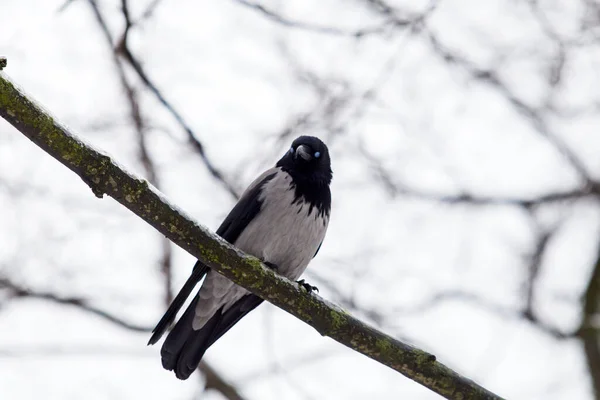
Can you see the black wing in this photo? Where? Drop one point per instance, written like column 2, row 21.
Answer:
column 243, row 212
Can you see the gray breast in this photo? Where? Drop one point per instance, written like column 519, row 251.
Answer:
column 284, row 233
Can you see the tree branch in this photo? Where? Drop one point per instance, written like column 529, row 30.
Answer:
column 589, row 328
column 105, row 177
column 122, row 50
column 316, row 28
column 214, row 381
column 21, row 291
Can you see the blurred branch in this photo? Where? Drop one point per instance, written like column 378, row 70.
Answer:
column 18, row 291
column 373, row 314
column 534, row 115
column 534, row 270
column 392, row 20
column 395, row 188
column 490, row 78
column 150, row 10
column 143, row 153
column 13, row 351
column 590, row 327
column 103, row 176
column 122, row 49
column 214, row 381
column 289, row 23
column 489, row 306
column 64, row 6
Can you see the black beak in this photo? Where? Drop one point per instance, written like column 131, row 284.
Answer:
column 303, row 151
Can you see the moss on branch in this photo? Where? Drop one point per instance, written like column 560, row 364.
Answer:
column 104, row 176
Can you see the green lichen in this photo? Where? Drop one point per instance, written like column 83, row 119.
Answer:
column 22, row 110
column 422, row 358
column 132, row 193
column 384, row 346
column 337, row 320
column 209, row 254
column 254, row 262
column 42, row 128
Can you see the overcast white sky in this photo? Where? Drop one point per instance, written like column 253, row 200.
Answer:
column 240, row 79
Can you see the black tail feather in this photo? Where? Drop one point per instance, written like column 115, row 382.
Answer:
column 184, row 347
column 197, row 274
column 195, row 347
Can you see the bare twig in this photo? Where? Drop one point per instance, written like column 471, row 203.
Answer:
column 64, row 6
column 391, row 16
column 122, row 50
column 493, row 308
column 490, row 78
column 590, row 328
column 214, row 381
column 397, row 188
column 106, row 177
column 534, row 270
column 16, row 290
column 149, row 11
column 324, row 29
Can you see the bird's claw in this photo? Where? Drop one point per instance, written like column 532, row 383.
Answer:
column 307, row 286
column 274, row 267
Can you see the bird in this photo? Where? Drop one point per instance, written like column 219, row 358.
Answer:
column 281, row 218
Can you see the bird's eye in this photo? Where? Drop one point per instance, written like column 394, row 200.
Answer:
column 317, row 154
column 291, row 150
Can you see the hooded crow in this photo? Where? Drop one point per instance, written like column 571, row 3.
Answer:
column 281, row 218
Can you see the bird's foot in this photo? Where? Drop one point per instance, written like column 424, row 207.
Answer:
column 274, row 267
column 307, row 286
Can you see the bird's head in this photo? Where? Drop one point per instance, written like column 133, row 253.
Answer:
column 307, row 158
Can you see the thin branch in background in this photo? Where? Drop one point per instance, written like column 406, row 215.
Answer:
column 394, row 188
column 143, row 153
column 338, row 106
column 324, row 29
column 491, row 307
column 121, row 49
column 18, row 291
column 589, row 332
column 293, row 363
column 533, row 272
column 490, row 78
column 376, row 316
column 96, row 351
column 149, row 11
column 166, row 267
column 197, row 145
column 137, row 119
column 392, row 19
column 64, row 6
column 214, row 381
